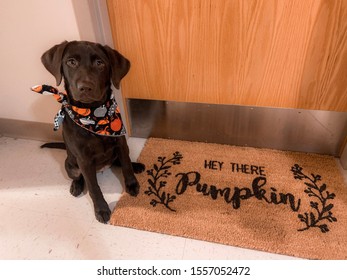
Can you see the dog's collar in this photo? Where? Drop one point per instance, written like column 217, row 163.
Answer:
column 104, row 120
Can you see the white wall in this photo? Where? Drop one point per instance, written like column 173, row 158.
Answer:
column 27, row 29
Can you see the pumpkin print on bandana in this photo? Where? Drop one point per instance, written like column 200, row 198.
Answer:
column 104, row 120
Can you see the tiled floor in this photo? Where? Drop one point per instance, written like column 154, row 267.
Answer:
column 41, row 220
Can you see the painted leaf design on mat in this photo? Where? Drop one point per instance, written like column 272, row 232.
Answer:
column 321, row 207
column 156, row 182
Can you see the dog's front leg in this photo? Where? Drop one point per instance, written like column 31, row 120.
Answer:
column 132, row 186
column 101, row 209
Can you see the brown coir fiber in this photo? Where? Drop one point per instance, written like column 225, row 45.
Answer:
column 280, row 202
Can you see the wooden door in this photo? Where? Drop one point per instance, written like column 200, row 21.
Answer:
column 277, row 53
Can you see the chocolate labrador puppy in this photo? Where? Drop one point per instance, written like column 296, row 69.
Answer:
column 88, row 69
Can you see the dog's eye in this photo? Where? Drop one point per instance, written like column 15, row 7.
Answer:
column 99, row 63
column 72, row 62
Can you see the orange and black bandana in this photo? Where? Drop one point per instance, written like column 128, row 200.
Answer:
column 104, row 120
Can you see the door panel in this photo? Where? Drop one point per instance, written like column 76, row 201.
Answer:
column 273, row 53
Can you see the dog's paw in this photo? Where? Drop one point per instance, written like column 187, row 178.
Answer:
column 103, row 216
column 76, row 188
column 138, row 167
column 133, row 188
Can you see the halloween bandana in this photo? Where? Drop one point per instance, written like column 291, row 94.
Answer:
column 104, row 120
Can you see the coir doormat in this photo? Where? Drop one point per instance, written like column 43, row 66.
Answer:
column 280, row 202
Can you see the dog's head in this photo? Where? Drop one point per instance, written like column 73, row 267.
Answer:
column 87, row 69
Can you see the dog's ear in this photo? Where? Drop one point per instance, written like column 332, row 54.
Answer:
column 119, row 64
column 52, row 59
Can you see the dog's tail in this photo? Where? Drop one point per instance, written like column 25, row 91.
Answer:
column 54, row 145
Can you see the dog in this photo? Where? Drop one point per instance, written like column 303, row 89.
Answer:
column 87, row 70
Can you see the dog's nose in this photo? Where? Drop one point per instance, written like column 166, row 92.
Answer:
column 84, row 87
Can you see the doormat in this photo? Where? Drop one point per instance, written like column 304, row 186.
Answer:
column 280, row 202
